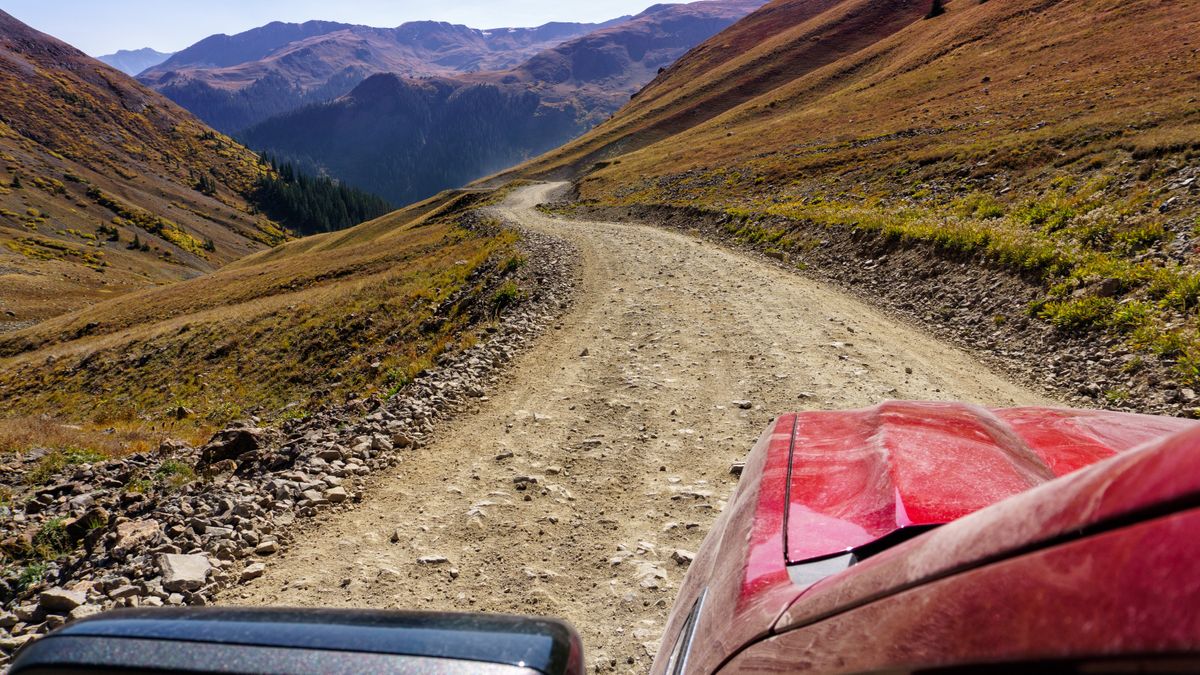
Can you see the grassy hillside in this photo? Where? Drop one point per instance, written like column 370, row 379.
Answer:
column 275, row 335
column 1051, row 137
column 105, row 186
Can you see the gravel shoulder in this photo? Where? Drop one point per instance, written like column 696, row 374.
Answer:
column 605, row 447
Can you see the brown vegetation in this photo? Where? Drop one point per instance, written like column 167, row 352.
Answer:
column 277, row 335
column 101, row 184
column 1050, row 138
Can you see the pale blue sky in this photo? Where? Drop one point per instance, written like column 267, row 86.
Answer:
column 101, row 27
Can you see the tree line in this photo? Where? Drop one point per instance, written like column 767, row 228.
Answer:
column 312, row 204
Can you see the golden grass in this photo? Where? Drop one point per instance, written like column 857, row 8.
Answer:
column 1042, row 136
column 290, row 330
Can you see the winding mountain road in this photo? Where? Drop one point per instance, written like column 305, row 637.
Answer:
column 675, row 356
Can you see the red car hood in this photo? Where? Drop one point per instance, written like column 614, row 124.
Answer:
column 820, row 484
column 861, row 475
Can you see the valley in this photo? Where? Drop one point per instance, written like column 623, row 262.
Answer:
column 596, row 466
column 406, row 135
column 531, row 393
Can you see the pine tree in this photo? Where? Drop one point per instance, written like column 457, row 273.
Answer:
column 937, row 9
column 310, row 205
column 136, row 243
column 16, row 182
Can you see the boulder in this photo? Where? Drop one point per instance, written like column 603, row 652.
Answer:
column 60, row 600
column 78, row 528
column 134, row 533
column 233, row 444
column 252, row 571
column 183, row 572
column 683, row 556
column 84, row 611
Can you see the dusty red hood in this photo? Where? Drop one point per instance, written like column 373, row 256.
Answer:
column 858, row 476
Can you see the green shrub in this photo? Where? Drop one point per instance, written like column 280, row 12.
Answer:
column 1141, row 237
column 56, row 460
column 51, row 540
column 1051, row 216
column 508, row 295
column 1078, row 314
column 30, row 575
column 175, row 473
column 515, row 262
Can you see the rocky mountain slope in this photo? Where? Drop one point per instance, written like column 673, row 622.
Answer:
column 233, row 82
column 406, row 138
column 106, row 186
column 1041, row 140
column 134, row 61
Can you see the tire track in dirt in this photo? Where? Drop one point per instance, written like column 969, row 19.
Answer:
column 609, row 444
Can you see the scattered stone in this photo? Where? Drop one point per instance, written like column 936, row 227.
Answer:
column 183, row 572
column 269, row 547
column 134, row 533
column 736, row 468
column 232, row 444
column 743, row 404
column 12, row 644
column 432, row 560
column 60, row 600
column 252, row 572
column 336, row 495
column 126, row 591
column 683, row 556
column 84, row 611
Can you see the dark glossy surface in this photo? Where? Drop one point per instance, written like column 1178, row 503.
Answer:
column 548, row 646
column 63, row 655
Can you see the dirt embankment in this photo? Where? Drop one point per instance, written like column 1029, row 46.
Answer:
column 600, row 461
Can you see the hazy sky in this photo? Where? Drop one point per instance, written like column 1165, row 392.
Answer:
column 101, row 27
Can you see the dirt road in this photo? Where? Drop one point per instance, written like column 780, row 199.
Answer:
column 628, row 418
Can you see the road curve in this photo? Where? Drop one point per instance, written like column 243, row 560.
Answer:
column 630, row 445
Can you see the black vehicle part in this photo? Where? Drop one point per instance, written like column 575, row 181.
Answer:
column 293, row 641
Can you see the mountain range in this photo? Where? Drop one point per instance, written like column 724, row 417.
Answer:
column 134, row 61
column 235, row 81
column 407, row 138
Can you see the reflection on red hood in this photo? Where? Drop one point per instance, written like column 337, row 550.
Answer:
column 860, row 475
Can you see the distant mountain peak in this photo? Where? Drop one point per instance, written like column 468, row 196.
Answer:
column 134, row 61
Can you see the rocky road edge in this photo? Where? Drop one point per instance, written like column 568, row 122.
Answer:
column 966, row 301
column 182, row 547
